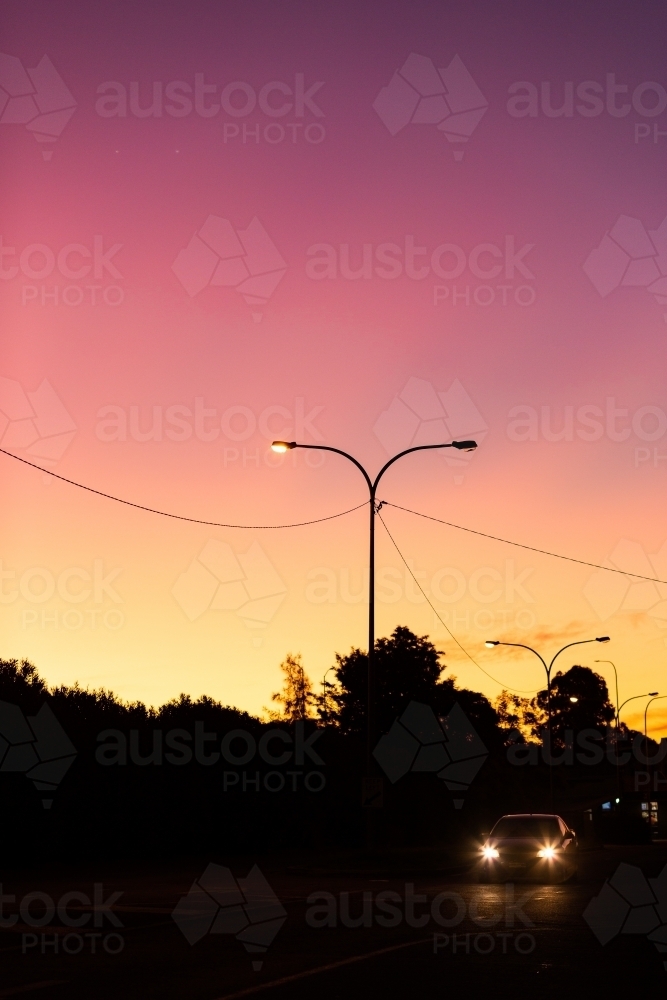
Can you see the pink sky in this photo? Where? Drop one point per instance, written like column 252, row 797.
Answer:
column 515, row 219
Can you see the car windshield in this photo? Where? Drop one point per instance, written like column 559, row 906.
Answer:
column 536, row 827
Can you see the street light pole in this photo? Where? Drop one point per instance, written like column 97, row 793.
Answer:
column 324, row 685
column 655, row 697
column 618, row 773
column 372, row 484
column 650, row 694
column 616, row 678
column 490, row 643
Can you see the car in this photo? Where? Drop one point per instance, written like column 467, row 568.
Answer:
column 537, row 846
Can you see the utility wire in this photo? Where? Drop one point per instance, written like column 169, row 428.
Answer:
column 461, row 647
column 331, row 517
column 531, row 548
column 179, row 517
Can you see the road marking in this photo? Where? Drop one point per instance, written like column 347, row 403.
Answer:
column 321, row 968
column 31, row 986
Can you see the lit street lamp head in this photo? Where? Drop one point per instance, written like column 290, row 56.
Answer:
column 464, row 445
column 574, row 700
column 490, row 643
column 281, row 446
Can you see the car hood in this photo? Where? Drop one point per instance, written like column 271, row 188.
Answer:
column 532, row 844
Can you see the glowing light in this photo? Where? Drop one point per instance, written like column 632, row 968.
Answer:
column 490, row 852
column 282, row 446
column 547, row 852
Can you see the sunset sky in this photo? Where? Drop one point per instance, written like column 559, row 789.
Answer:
column 212, row 238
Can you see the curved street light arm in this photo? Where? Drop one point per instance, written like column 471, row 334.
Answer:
column 656, row 697
column 634, row 698
column 338, row 451
column 579, row 642
column 324, row 679
column 421, row 447
column 520, row 645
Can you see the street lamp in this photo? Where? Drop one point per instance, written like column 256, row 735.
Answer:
column 324, row 684
column 490, row 643
column 618, row 773
column 372, row 484
column 616, row 678
column 651, row 694
column 654, row 697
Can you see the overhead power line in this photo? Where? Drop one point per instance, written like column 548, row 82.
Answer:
column 461, row 647
column 179, row 517
column 530, row 548
column 330, row 517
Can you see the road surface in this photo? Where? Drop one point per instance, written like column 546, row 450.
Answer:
column 336, row 936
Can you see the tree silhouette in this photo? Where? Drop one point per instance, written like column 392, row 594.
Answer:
column 591, row 710
column 407, row 669
column 296, row 697
column 520, row 714
column 19, row 681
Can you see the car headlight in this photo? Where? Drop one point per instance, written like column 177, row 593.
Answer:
column 490, row 852
column 547, row 852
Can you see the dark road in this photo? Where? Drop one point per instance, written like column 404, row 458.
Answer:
column 337, row 936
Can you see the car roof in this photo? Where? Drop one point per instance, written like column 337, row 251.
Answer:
column 531, row 816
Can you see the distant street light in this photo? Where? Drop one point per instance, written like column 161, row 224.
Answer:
column 654, row 697
column 490, row 643
column 616, row 677
column 618, row 773
column 650, row 694
column 324, row 684
column 372, row 484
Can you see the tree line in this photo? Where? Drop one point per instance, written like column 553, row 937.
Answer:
column 194, row 775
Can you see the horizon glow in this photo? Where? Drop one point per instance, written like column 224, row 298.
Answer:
column 238, row 234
